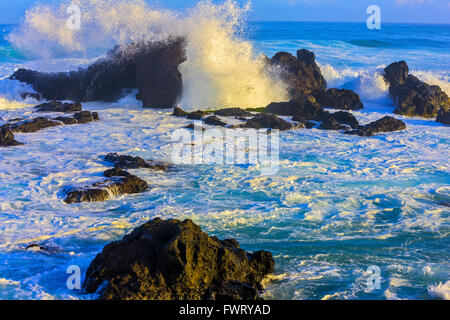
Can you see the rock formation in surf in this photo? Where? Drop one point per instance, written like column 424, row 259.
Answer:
column 7, row 137
column 175, row 260
column 444, row 117
column 119, row 182
column 414, row 98
column 152, row 68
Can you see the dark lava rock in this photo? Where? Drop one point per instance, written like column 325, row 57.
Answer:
column 443, row 117
column 301, row 74
column 346, row 118
column 331, row 123
column 196, row 115
column 305, row 107
column 57, row 106
column 102, row 191
column 178, row 112
column 233, row 112
column 266, row 120
column 175, row 260
column 214, row 121
column 342, row 99
column 414, row 97
column 85, row 116
column 386, row 124
column 116, row 173
column 66, row 120
column 35, row 96
column 130, row 162
column 194, row 127
column 7, row 137
column 306, row 123
column 34, row 125
column 152, row 68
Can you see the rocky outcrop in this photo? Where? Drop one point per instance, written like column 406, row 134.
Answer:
column 130, row 162
column 214, row 121
column 178, row 112
column 233, row 112
column 301, row 74
column 266, row 120
column 40, row 123
column 443, row 117
column 57, row 106
column 118, row 184
column 306, row 108
column 7, row 137
column 152, row 68
column 175, row 260
column 342, row 99
column 414, row 97
column 386, row 124
column 34, row 125
column 196, row 115
column 32, row 95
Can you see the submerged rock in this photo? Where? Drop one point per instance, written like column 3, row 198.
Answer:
column 342, row 99
column 301, row 74
column 194, row 127
column 443, row 117
column 386, row 124
column 7, row 137
column 175, row 260
column 266, row 120
column 152, row 68
column 57, row 106
column 130, row 162
column 414, row 97
column 120, row 183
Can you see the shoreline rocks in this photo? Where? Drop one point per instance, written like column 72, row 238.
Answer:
column 7, row 138
column 443, row 117
column 120, row 182
column 152, row 68
column 414, row 98
column 341, row 99
column 130, row 162
column 386, row 124
column 57, row 106
column 175, row 260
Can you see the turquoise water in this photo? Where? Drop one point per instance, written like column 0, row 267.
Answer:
column 338, row 205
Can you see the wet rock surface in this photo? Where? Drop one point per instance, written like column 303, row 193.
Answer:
column 196, row 115
column 301, row 74
column 130, row 162
column 152, row 68
column 266, row 120
column 443, row 117
column 214, row 121
column 414, row 98
column 175, row 260
column 57, row 106
column 178, row 112
column 7, row 137
column 342, row 99
column 119, row 183
column 386, row 124
column 233, row 112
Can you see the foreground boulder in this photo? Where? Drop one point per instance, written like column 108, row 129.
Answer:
column 414, row 97
column 175, row 260
column 301, row 74
column 386, row 124
column 233, row 112
column 443, row 117
column 342, row 99
column 118, row 184
column 307, row 108
column 178, row 112
column 152, row 68
column 7, row 137
column 130, row 162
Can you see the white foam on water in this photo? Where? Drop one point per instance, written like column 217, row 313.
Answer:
column 441, row 290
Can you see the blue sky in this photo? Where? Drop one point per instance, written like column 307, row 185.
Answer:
column 416, row 11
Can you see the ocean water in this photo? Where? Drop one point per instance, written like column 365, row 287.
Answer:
column 339, row 204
